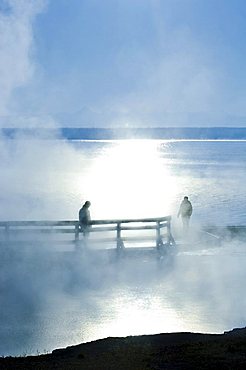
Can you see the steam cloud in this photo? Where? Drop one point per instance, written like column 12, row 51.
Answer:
column 16, row 46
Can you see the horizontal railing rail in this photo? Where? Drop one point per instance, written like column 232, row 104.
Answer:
column 118, row 226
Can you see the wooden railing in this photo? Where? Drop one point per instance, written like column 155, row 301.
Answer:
column 11, row 230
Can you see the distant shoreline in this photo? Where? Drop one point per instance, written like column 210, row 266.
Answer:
column 161, row 133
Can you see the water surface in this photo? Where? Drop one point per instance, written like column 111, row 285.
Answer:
column 50, row 300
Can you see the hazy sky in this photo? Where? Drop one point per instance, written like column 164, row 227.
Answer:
column 123, row 62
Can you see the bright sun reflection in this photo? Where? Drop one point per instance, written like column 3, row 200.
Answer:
column 130, row 179
column 134, row 319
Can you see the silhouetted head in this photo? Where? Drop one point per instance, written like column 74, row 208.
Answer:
column 87, row 204
column 185, row 198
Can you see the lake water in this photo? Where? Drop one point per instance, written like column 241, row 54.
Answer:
column 51, row 300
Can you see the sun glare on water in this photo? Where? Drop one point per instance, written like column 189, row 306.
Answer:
column 130, row 179
column 134, row 315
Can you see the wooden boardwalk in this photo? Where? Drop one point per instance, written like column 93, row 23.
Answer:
column 154, row 232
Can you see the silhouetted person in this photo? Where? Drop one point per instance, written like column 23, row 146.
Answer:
column 185, row 211
column 85, row 218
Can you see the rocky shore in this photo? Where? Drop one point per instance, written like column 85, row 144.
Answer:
column 174, row 351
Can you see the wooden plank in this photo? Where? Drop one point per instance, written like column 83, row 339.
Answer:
column 74, row 222
column 139, row 227
column 101, row 229
column 41, row 231
column 101, row 222
column 37, row 223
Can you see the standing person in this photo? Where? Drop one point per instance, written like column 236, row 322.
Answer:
column 85, row 218
column 185, row 210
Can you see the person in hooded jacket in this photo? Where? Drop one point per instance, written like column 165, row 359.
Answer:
column 85, row 218
column 185, row 211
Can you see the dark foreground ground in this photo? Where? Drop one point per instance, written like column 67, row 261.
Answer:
column 162, row 351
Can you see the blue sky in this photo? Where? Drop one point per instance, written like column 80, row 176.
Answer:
column 123, row 62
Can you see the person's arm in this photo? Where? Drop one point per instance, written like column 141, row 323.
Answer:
column 89, row 218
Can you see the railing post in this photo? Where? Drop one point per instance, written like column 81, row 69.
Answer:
column 77, row 231
column 119, row 243
column 158, row 235
column 170, row 238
